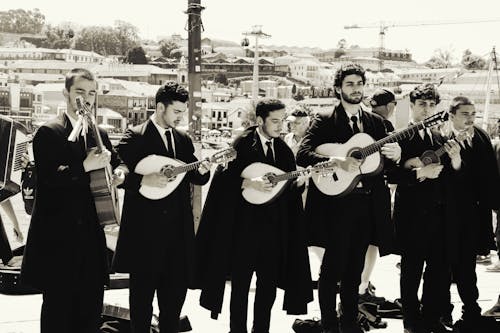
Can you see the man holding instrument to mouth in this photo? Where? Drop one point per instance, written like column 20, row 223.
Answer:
column 65, row 255
column 346, row 225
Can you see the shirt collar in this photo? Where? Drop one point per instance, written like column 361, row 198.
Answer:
column 158, row 127
column 71, row 119
column 263, row 139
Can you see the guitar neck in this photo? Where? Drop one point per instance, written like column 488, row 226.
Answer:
column 395, row 137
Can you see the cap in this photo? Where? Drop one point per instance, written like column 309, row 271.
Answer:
column 382, row 97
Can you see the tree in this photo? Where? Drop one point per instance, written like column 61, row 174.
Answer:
column 102, row 40
column 441, row 59
column 472, row 61
column 22, row 21
column 339, row 53
column 136, row 55
column 167, row 46
column 127, row 35
column 221, row 78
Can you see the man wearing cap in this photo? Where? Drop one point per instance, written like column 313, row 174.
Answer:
column 383, row 103
column 299, row 123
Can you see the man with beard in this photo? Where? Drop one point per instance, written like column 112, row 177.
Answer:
column 476, row 194
column 346, row 225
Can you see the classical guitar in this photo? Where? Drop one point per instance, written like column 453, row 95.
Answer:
column 433, row 156
column 175, row 170
column 364, row 148
column 104, row 193
column 278, row 179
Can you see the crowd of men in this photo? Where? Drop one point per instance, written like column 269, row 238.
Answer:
column 441, row 217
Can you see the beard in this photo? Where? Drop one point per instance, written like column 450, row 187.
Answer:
column 353, row 100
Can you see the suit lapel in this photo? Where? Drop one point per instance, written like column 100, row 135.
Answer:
column 77, row 147
column 257, row 146
column 153, row 141
column 342, row 128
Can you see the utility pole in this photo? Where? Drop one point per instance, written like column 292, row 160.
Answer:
column 194, row 82
column 257, row 33
column 486, row 112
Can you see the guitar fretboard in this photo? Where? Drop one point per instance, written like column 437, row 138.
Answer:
column 398, row 136
column 289, row 175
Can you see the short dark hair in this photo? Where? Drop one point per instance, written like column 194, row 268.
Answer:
column 171, row 91
column 345, row 70
column 268, row 105
column 299, row 113
column 76, row 73
column 458, row 101
column 425, row 91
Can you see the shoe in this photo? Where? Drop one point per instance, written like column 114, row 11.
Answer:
column 494, row 267
column 437, row 327
column 350, row 328
column 367, row 297
column 485, row 260
column 390, row 310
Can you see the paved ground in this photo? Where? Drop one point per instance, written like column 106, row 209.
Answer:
column 20, row 314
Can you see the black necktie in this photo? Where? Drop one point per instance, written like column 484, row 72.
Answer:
column 170, row 147
column 427, row 139
column 467, row 146
column 355, row 128
column 269, row 153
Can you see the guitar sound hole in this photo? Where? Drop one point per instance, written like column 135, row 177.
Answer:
column 356, row 154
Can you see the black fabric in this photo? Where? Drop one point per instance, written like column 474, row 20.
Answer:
column 5, row 249
column 170, row 148
column 355, row 127
column 28, row 187
column 427, row 139
column 269, row 153
column 236, row 238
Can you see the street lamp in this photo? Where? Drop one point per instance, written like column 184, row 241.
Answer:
column 257, row 33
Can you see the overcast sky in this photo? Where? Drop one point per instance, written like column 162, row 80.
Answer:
column 298, row 23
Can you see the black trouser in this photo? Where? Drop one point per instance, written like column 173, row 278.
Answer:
column 344, row 259
column 5, row 249
column 431, row 251
column 170, row 284
column 464, row 274
column 73, row 303
column 258, row 251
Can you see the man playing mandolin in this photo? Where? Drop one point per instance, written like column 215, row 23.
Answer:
column 345, row 225
column 156, row 240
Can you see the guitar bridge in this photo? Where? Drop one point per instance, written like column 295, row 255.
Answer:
column 335, row 177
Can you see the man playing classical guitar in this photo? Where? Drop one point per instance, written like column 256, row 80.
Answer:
column 65, row 255
column 346, row 225
column 156, row 240
column 422, row 216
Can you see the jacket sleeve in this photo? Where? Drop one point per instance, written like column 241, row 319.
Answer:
column 54, row 169
column 194, row 176
column 306, row 155
column 127, row 149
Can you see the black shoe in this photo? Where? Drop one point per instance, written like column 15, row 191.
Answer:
column 414, row 329
column 367, row 297
column 437, row 327
column 351, row 329
column 390, row 310
column 184, row 324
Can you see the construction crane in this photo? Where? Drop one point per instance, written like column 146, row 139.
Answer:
column 383, row 26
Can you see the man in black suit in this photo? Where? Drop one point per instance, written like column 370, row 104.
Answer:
column 266, row 239
column 346, row 225
column 423, row 213
column 383, row 103
column 156, row 240
column 65, row 255
column 476, row 193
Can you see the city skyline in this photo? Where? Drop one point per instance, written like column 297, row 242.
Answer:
column 319, row 24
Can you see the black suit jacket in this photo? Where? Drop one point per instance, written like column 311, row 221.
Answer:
column 333, row 127
column 226, row 212
column 63, row 203
column 148, row 226
column 414, row 200
column 477, row 192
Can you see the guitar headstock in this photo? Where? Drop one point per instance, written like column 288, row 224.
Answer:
column 223, row 156
column 435, row 119
column 83, row 108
